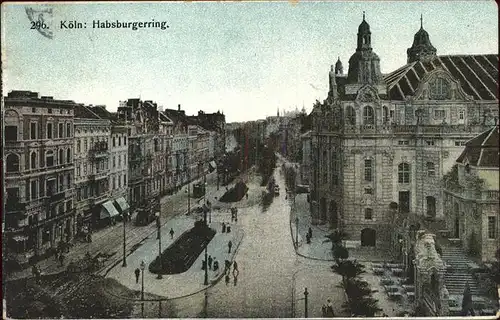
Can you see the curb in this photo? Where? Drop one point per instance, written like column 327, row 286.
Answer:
column 211, row 284
column 296, row 249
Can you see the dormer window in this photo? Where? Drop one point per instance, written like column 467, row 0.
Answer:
column 439, row 89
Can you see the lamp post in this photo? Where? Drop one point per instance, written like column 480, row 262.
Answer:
column 297, row 232
column 306, row 293
column 206, row 266
column 124, row 264
column 157, row 214
column 143, row 266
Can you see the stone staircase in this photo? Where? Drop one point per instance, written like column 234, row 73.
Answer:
column 458, row 274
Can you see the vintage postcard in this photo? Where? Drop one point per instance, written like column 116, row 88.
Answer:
column 260, row 159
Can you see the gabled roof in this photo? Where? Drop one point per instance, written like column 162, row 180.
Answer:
column 482, row 151
column 84, row 112
column 477, row 74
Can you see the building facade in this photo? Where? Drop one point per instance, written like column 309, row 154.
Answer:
column 39, row 176
column 92, row 157
column 471, row 196
column 383, row 138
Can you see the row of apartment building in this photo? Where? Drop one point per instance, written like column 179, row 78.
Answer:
column 69, row 166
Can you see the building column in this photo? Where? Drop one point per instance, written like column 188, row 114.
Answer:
column 53, row 235
column 38, row 242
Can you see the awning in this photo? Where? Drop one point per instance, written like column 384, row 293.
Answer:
column 121, row 204
column 108, row 210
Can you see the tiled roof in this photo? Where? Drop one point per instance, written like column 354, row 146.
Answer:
column 477, row 74
column 84, row 112
column 482, row 151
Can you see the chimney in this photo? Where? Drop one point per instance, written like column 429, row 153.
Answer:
column 178, row 107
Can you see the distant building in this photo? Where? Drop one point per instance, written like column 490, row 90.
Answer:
column 471, row 196
column 306, row 165
column 39, row 174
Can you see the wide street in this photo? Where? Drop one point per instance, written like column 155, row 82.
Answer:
column 268, row 267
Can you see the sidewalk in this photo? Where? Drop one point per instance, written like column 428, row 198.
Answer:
column 109, row 240
column 183, row 284
column 317, row 249
column 321, row 284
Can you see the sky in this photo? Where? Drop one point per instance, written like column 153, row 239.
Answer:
column 246, row 59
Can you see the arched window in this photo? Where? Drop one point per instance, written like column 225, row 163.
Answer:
column 33, row 160
column 368, row 116
column 49, row 158
column 431, row 169
column 61, row 156
column 404, row 173
column 12, row 163
column 350, row 117
column 385, row 114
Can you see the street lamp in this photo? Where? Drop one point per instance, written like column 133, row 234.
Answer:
column 143, row 266
column 124, row 264
column 157, row 214
column 206, row 266
column 297, row 232
column 306, row 293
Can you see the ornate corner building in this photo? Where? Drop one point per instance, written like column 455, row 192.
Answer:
column 39, row 177
column 382, row 138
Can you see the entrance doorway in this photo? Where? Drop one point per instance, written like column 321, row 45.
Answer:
column 404, row 201
column 456, row 231
column 368, row 237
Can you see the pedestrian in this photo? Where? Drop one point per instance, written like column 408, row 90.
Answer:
column 61, row 259
column 229, row 245
column 137, row 274
column 235, row 266
column 34, row 270
column 223, row 227
column 227, row 279
column 329, row 309
column 56, row 254
column 216, row 265
column 228, row 266
column 247, row 195
column 171, row 233
column 228, row 229
column 310, row 232
column 210, row 262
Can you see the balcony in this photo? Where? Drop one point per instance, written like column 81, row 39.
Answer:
column 413, row 129
column 57, row 197
column 98, row 199
column 484, row 195
column 98, row 176
column 15, row 206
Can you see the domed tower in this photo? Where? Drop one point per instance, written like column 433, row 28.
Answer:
column 364, row 64
column 422, row 47
column 339, row 69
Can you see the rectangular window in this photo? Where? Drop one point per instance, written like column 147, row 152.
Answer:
column 403, row 142
column 49, row 110
column 61, row 130
column 34, row 191
column 492, row 227
column 49, row 130
column 368, row 213
column 68, row 130
column 114, row 142
column 439, row 114
column 85, row 145
column 33, row 127
column 368, row 170
column 430, row 142
column 33, row 110
column 119, row 161
column 460, row 143
column 10, row 133
column 78, row 146
column 114, row 161
column 78, row 171
column 368, row 191
column 124, row 141
column 119, row 141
